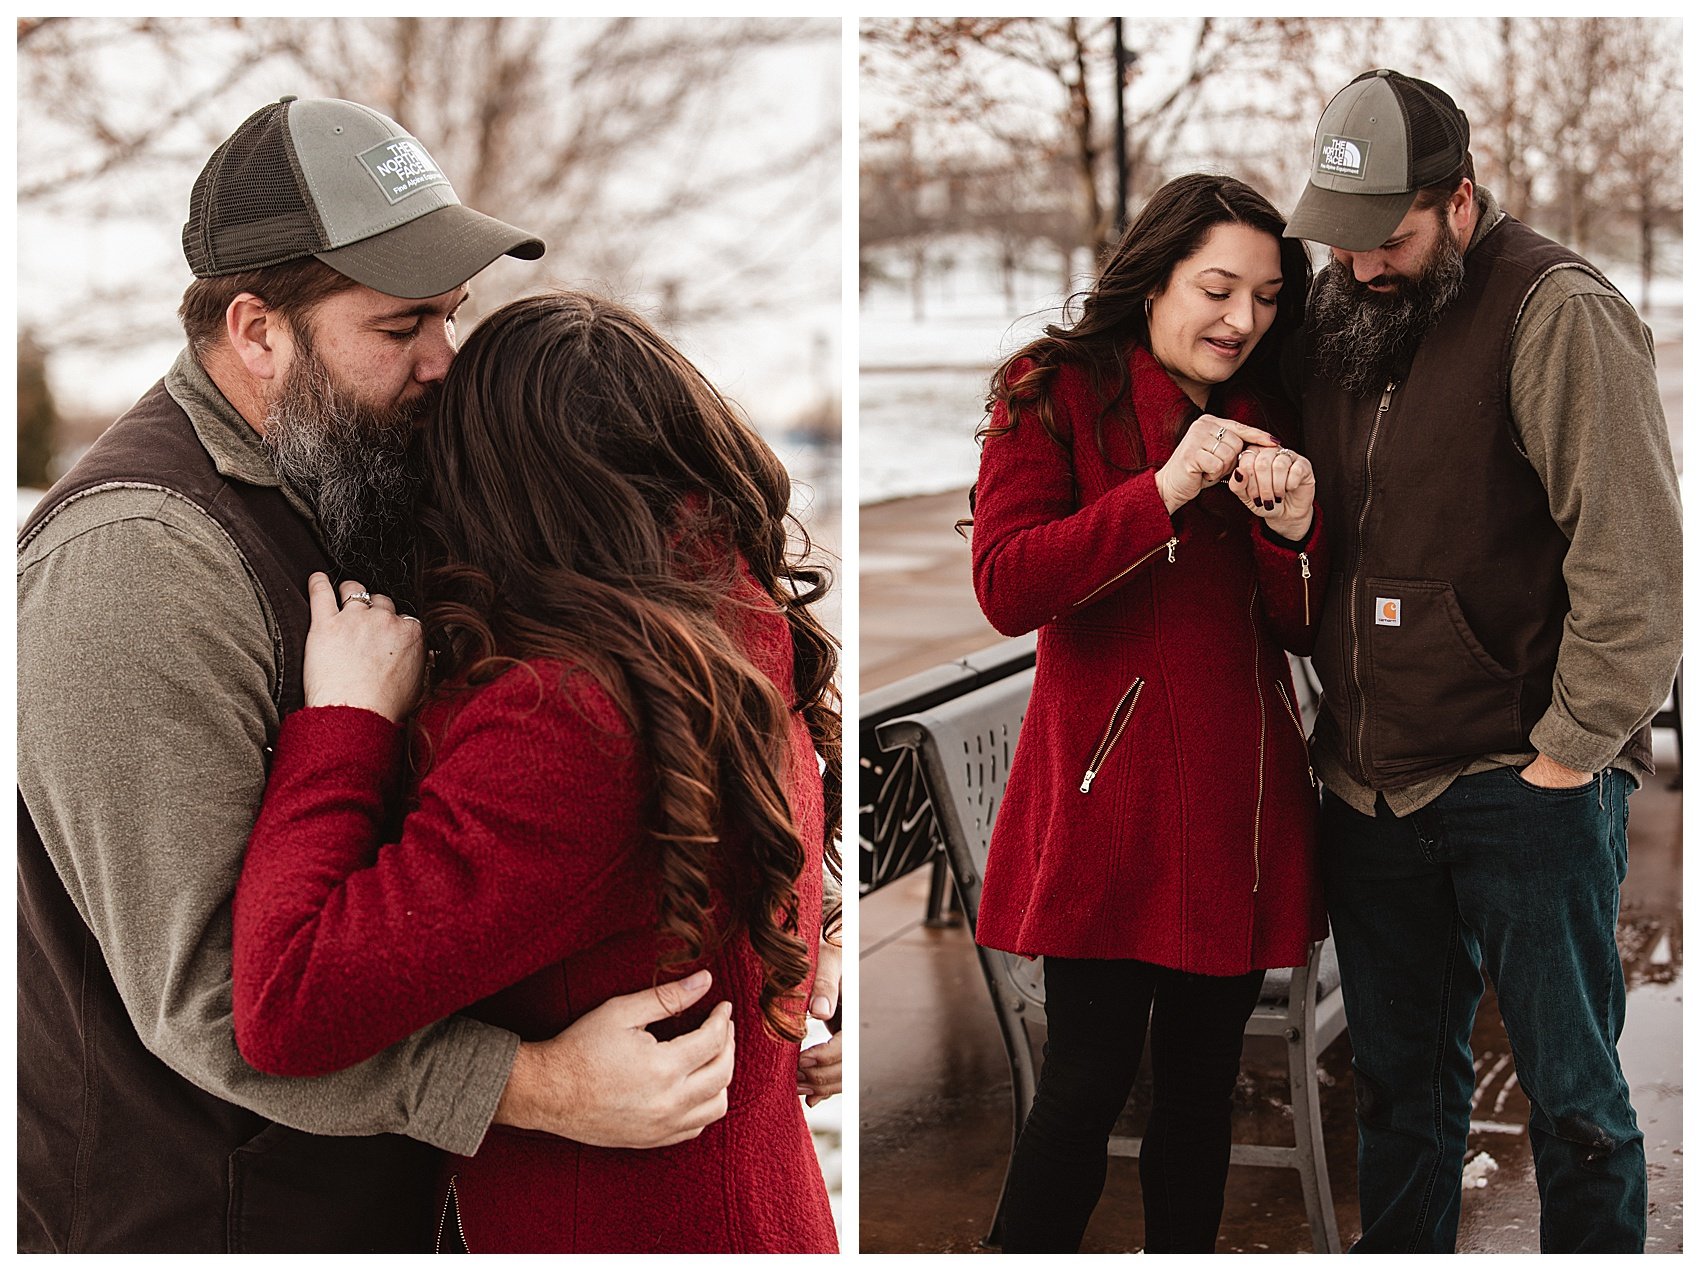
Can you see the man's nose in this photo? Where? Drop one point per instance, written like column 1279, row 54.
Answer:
column 1365, row 266
column 435, row 352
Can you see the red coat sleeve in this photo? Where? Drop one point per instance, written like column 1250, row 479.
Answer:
column 345, row 944
column 1037, row 552
column 1291, row 578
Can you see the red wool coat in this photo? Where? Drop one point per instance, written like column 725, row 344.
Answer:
column 522, row 891
column 1192, row 842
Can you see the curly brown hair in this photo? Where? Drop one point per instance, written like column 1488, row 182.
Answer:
column 588, row 497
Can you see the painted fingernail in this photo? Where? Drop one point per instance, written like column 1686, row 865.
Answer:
column 1277, row 498
column 1238, row 475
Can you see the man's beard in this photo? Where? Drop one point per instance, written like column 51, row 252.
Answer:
column 354, row 464
column 1364, row 339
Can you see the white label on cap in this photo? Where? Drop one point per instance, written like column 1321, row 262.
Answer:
column 1343, row 156
column 401, row 167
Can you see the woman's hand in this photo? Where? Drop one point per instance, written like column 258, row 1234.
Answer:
column 1278, row 486
column 362, row 654
column 1205, row 455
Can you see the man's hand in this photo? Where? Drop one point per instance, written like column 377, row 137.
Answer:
column 607, row 1082
column 820, row 1070
column 1553, row 775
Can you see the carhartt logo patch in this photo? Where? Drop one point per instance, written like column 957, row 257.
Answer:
column 1343, row 156
column 401, row 167
column 1386, row 612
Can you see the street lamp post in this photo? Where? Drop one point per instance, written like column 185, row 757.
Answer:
column 1122, row 63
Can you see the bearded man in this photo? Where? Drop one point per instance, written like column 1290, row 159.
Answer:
column 1502, row 621
column 162, row 616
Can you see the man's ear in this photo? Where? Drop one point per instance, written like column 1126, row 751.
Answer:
column 259, row 338
column 1459, row 204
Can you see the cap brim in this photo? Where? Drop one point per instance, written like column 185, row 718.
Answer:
column 1351, row 222
column 431, row 254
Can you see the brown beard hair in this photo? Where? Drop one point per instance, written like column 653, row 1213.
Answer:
column 1362, row 340
column 587, row 498
column 351, row 462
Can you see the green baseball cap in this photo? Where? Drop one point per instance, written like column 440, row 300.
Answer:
column 1380, row 140
column 341, row 182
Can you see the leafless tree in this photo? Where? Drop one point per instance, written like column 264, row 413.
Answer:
column 958, row 72
column 1576, row 122
column 1576, row 125
column 607, row 137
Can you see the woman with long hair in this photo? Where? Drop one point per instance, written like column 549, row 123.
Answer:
column 1155, row 844
column 617, row 774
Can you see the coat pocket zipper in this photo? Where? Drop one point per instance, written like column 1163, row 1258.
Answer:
column 1304, row 574
column 1303, row 740
column 451, row 1202
column 1112, row 733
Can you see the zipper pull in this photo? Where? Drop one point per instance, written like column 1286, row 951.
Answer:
column 1171, row 545
column 1304, row 565
column 1086, row 785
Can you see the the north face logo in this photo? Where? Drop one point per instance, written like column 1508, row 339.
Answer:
column 401, row 167
column 1343, row 156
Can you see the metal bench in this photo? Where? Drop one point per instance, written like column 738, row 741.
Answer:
column 896, row 832
column 964, row 746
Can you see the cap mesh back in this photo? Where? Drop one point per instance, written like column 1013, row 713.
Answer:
column 1435, row 130
column 249, row 207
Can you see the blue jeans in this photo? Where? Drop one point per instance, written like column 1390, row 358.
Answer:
column 1500, row 876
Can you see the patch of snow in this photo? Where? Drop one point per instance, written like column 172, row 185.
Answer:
column 1477, row 1169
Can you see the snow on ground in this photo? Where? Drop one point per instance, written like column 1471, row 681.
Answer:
column 922, row 386
column 1477, row 1169
column 923, row 383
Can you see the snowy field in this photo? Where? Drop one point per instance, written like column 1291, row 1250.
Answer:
column 922, row 387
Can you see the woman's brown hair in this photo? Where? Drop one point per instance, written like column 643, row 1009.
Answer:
column 587, row 497
column 1172, row 226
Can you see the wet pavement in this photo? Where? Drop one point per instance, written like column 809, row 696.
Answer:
column 935, row 1094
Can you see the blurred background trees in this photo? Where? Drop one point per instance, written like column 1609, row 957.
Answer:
column 996, row 136
column 689, row 167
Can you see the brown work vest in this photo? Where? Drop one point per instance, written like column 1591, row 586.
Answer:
column 1446, row 602
column 116, row 1152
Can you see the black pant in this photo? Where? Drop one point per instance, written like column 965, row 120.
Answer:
column 1098, row 1012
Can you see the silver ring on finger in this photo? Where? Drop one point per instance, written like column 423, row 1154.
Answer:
column 364, row 597
column 407, row 617
column 1221, row 432
column 1213, row 446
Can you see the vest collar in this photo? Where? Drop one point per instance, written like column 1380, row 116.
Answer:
column 1488, row 216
